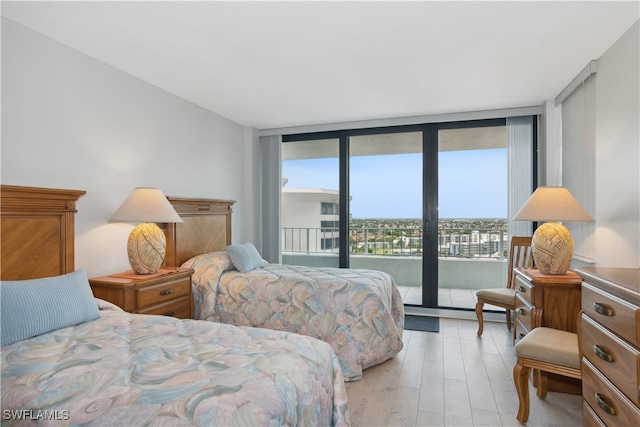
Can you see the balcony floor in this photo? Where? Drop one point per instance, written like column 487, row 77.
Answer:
column 458, row 298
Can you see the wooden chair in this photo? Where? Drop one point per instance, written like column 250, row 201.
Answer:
column 546, row 350
column 519, row 256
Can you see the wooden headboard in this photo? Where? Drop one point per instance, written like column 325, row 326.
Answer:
column 206, row 228
column 37, row 231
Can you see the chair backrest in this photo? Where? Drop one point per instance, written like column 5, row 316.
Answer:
column 519, row 257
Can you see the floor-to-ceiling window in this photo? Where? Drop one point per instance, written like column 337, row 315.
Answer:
column 425, row 203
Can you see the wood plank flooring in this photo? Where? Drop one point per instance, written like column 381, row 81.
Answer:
column 453, row 378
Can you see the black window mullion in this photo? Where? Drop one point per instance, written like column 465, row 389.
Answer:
column 343, row 257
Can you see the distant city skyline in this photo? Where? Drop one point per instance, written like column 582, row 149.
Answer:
column 472, row 183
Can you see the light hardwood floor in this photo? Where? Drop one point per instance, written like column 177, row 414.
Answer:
column 453, row 378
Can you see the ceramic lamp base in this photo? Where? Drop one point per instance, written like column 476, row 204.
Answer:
column 552, row 248
column 146, row 248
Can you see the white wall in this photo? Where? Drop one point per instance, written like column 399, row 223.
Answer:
column 617, row 166
column 69, row 121
column 618, row 153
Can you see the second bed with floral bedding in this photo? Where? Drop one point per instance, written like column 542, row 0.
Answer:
column 360, row 313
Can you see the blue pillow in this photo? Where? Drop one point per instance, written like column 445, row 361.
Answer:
column 245, row 257
column 33, row 307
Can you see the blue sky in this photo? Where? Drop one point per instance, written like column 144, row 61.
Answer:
column 472, row 183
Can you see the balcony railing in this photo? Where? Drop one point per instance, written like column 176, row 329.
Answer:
column 397, row 241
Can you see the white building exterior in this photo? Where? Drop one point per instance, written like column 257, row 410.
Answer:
column 310, row 220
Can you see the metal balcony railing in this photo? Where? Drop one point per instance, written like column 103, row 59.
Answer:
column 398, row 241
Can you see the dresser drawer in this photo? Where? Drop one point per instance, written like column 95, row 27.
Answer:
column 163, row 292
column 613, row 357
column 591, row 419
column 612, row 312
column 523, row 310
column 524, row 289
column 611, row 406
column 180, row 308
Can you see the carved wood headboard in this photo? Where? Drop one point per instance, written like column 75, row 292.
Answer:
column 206, row 228
column 37, row 231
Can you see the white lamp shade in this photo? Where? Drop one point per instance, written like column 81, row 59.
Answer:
column 146, row 205
column 146, row 246
column 552, row 204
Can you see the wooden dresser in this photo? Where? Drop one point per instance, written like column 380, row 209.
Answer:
column 611, row 346
column 167, row 292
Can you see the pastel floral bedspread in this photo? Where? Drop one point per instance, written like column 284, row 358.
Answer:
column 359, row 312
column 133, row 370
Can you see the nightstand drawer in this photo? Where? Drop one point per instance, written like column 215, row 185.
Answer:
column 616, row 359
column 180, row 308
column 524, row 289
column 163, row 292
column 611, row 406
column 521, row 329
column 613, row 312
column 523, row 311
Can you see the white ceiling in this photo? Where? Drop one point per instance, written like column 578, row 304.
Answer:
column 280, row 64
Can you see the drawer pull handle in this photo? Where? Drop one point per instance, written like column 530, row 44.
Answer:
column 520, row 288
column 521, row 311
column 602, row 354
column 521, row 335
column 167, row 292
column 602, row 309
column 170, row 313
column 604, row 405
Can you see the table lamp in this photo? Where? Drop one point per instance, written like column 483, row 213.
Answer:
column 552, row 243
column 147, row 244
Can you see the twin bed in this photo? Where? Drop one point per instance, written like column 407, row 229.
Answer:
column 116, row 368
column 359, row 312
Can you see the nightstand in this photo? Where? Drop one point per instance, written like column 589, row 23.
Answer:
column 167, row 292
column 546, row 300
column 551, row 300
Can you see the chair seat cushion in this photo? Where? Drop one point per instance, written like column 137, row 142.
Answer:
column 499, row 295
column 550, row 345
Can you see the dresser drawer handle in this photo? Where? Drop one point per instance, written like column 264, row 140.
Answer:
column 604, row 405
column 522, row 335
column 602, row 309
column 522, row 311
column 169, row 313
column 520, row 288
column 167, row 292
column 602, row 354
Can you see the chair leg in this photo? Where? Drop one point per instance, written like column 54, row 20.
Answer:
column 521, row 380
column 479, row 307
column 543, row 378
column 508, row 319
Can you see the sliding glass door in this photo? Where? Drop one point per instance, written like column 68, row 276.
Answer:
column 311, row 202
column 472, row 210
column 386, row 207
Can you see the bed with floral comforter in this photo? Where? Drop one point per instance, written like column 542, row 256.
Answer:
column 127, row 369
column 359, row 312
